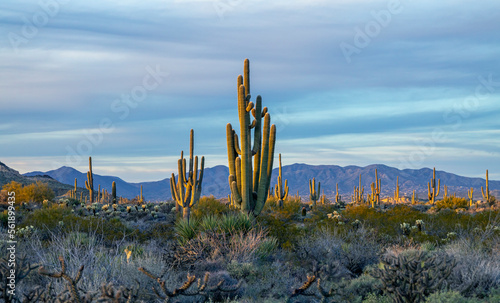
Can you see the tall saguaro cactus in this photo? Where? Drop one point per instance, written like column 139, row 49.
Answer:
column 113, row 192
column 435, row 191
column 187, row 190
column 89, row 184
column 396, row 192
column 250, row 185
column 470, row 194
column 280, row 191
column 486, row 194
column 313, row 193
column 359, row 192
column 338, row 197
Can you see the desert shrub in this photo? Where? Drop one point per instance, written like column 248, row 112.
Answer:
column 286, row 231
column 374, row 298
column 56, row 220
column 355, row 290
column 332, row 255
column 290, row 210
column 220, row 247
column 411, row 276
column 264, row 283
column 186, row 230
column 34, row 192
column 450, row 297
column 452, row 203
column 477, row 271
column 209, row 206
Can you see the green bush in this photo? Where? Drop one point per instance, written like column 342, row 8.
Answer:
column 186, row 230
column 209, row 206
column 450, row 297
column 452, row 203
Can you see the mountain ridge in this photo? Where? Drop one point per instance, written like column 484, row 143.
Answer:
column 215, row 181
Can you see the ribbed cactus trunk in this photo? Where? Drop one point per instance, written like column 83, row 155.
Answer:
column 337, row 195
column 470, row 194
column 435, row 190
column 89, row 184
column 313, row 193
column 396, row 192
column 186, row 192
column 113, row 192
column 141, row 198
column 280, row 190
column 486, row 194
column 250, row 185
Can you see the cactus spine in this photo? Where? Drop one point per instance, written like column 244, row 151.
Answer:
column 470, row 193
column 486, row 194
column 396, row 192
column 186, row 192
column 89, row 184
column 113, row 192
column 313, row 193
column 280, row 191
column 248, row 195
column 435, row 191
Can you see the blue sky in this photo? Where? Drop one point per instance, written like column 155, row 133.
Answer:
column 409, row 84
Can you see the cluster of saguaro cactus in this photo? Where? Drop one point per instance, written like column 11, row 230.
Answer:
column 359, row 192
column 396, row 192
column 186, row 192
column 470, row 194
column 486, row 193
column 374, row 197
column 313, row 193
column 280, row 190
column 72, row 193
column 435, row 190
column 250, row 185
column 411, row 278
column 89, row 184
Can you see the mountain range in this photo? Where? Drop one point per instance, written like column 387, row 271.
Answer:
column 298, row 175
column 215, row 181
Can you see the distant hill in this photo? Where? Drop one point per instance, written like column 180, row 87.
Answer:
column 215, row 181
column 8, row 175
